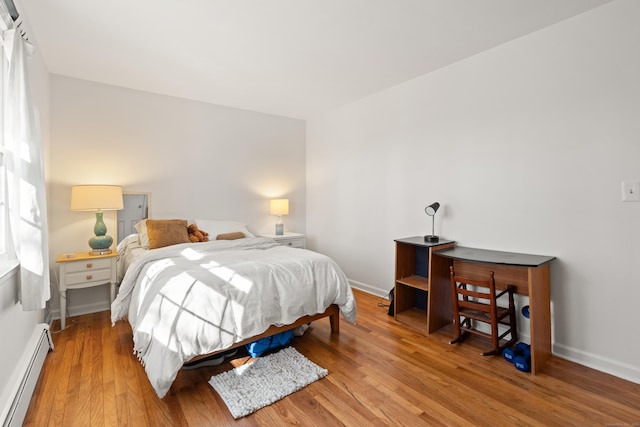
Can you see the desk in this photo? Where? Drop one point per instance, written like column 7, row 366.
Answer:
column 528, row 273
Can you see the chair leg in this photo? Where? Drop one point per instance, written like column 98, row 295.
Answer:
column 459, row 338
column 456, row 314
column 513, row 330
column 460, row 335
column 456, row 329
column 495, row 333
column 492, row 352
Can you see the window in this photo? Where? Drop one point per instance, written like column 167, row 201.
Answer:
column 26, row 198
column 4, row 217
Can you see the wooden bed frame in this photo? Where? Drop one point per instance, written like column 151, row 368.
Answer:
column 332, row 312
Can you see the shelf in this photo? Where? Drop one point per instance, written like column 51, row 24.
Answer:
column 421, row 301
column 414, row 317
column 418, row 282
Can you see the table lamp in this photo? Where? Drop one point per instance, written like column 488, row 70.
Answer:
column 279, row 207
column 97, row 198
column 431, row 211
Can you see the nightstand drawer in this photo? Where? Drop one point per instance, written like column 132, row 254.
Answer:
column 89, row 276
column 293, row 240
column 87, row 265
column 294, row 243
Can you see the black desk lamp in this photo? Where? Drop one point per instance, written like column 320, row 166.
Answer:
column 431, row 211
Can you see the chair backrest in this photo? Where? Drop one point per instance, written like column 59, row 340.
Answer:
column 484, row 290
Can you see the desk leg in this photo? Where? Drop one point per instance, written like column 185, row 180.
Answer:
column 540, row 316
column 440, row 304
column 63, row 309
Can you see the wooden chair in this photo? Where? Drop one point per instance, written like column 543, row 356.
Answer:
column 480, row 304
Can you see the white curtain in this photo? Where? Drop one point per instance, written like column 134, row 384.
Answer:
column 25, row 177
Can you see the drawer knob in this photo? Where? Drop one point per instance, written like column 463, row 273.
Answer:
column 89, row 277
column 89, row 265
column 289, row 243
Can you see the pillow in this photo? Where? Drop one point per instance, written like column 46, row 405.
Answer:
column 217, row 227
column 230, row 236
column 143, row 236
column 167, row 232
column 130, row 240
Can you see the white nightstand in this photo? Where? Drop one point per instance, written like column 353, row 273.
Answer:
column 295, row 240
column 82, row 270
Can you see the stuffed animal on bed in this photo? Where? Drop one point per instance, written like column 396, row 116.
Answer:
column 197, row 235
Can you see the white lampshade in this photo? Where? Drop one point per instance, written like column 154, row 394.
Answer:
column 279, row 207
column 96, row 197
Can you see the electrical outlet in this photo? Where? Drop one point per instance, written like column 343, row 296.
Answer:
column 631, row 191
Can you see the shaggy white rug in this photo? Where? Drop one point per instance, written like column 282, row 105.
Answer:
column 250, row 387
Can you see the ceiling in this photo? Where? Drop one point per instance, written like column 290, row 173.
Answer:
column 294, row 58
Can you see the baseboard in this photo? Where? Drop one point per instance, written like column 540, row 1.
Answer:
column 599, row 363
column 369, row 289
column 26, row 376
column 79, row 310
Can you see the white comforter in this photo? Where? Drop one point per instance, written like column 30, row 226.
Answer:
column 197, row 298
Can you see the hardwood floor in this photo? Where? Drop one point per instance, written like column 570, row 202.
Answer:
column 380, row 373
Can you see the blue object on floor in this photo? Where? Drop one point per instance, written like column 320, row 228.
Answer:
column 509, row 354
column 522, row 363
column 257, row 348
column 523, row 349
column 520, row 354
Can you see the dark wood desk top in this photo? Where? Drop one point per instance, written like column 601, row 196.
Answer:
column 419, row 241
column 495, row 257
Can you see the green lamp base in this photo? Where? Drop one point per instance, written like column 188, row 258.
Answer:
column 100, row 243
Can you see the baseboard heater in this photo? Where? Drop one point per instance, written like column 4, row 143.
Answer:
column 41, row 344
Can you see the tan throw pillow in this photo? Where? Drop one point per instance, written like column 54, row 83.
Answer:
column 166, row 232
column 230, row 236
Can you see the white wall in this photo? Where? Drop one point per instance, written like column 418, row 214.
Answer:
column 197, row 160
column 18, row 325
column 525, row 146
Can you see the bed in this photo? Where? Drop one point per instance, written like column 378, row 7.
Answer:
column 185, row 300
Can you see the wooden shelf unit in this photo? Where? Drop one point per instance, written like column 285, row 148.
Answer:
column 414, row 304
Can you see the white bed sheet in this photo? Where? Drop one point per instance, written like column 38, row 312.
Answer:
column 128, row 250
column 196, row 298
